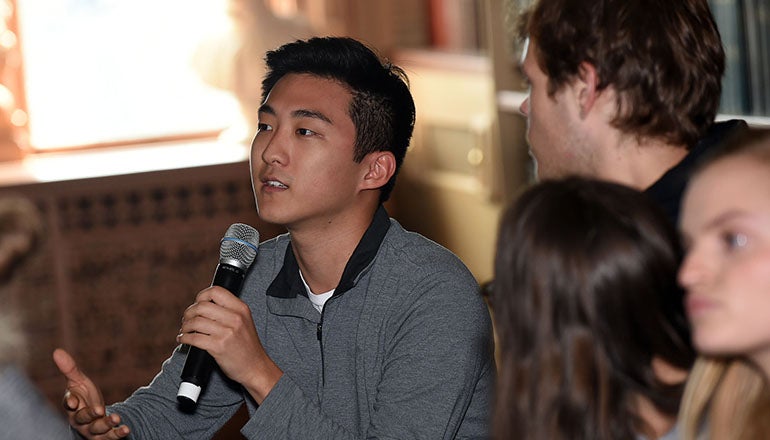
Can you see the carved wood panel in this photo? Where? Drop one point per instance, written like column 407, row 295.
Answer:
column 122, row 258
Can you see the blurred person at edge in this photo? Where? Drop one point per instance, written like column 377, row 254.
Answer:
column 24, row 412
column 726, row 273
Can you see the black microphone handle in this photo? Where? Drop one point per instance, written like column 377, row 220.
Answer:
column 199, row 363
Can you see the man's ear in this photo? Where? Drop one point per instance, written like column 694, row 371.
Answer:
column 381, row 165
column 586, row 87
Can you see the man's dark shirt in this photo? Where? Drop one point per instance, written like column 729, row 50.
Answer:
column 668, row 190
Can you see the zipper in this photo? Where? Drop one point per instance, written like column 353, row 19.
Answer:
column 319, row 336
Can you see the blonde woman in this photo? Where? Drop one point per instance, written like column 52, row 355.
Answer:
column 726, row 272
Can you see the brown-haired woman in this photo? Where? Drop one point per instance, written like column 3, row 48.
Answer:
column 592, row 338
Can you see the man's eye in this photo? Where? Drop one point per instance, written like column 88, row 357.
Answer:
column 305, row 132
column 263, row 127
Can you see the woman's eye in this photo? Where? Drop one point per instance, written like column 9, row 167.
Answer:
column 263, row 127
column 735, row 240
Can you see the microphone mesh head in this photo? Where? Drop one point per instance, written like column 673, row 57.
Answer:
column 239, row 246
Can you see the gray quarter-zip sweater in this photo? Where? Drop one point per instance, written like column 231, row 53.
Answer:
column 402, row 350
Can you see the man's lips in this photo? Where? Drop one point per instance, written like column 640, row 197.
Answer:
column 271, row 182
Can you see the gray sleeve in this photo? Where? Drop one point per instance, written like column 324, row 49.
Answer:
column 152, row 411
column 287, row 414
column 437, row 376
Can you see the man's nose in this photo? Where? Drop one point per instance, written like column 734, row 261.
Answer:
column 524, row 107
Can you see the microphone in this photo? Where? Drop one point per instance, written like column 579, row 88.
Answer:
column 237, row 251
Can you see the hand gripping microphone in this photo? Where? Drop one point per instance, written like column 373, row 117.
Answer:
column 237, row 251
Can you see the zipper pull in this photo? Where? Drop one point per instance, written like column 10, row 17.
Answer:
column 318, row 331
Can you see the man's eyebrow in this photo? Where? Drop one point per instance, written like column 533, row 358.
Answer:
column 303, row 113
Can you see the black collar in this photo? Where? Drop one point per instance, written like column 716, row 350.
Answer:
column 288, row 284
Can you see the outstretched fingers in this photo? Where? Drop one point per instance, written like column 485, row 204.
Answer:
column 84, row 403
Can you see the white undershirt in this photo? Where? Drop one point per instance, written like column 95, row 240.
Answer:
column 318, row 299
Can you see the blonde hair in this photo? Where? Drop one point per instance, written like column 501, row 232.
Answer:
column 722, row 399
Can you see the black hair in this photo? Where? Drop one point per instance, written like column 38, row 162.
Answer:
column 381, row 108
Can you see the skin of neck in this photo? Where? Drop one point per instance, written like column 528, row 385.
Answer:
column 625, row 158
column 639, row 163
column 657, row 421
column 323, row 251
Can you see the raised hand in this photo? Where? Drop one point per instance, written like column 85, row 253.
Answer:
column 84, row 403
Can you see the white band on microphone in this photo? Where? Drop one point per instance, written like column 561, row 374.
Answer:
column 189, row 390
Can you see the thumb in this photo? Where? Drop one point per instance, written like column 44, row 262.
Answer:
column 81, row 392
column 67, row 366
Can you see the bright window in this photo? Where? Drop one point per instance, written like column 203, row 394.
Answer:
column 114, row 71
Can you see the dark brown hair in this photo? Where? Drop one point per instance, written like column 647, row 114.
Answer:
column 584, row 297
column 663, row 57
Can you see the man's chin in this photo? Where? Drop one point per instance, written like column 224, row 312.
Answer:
column 536, row 172
column 541, row 174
